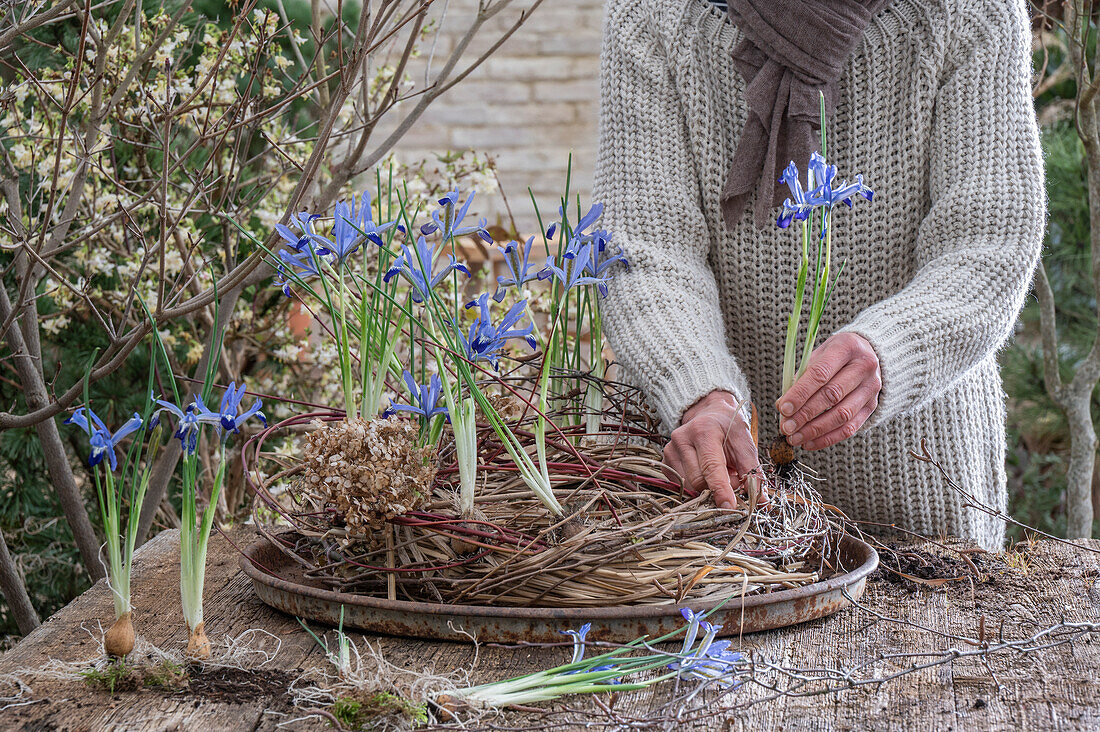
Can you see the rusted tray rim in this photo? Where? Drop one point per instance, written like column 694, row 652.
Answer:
column 609, row 612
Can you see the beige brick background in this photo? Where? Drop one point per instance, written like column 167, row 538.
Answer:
column 528, row 106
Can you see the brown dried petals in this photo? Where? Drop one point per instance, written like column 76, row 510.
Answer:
column 368, row 471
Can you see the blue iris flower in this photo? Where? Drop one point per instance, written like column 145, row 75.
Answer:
column 486, row 340
column 102, row 442
column 228, row 419
column 417, row 265
column 580, row 233
column 603, row 258
column 189, row 421
column 298, row 266
column 714, row 662
column 425, row 398
column 518, row 259
column 692, row 629
column 449, row 221
column 301, row 259
column 819, row 173
column 578, row 641
column 820, row 191
column 711, row 660
column 350, row 226
column 846, row 191
column 303, row 222
column 801, row 204
column 578, row 652
column 571, row 273
column 821, row 179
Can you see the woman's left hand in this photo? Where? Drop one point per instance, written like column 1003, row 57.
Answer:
column 834, row 396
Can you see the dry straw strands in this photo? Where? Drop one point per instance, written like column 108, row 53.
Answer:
column 630, row 536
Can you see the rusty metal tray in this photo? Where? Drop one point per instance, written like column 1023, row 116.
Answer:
column 279, row 582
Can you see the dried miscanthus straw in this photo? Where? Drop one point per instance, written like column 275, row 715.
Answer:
column 369, row 472
column 630, row 536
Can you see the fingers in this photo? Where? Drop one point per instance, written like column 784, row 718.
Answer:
column 715, row 469
column 682, row 464
column 828, row 402
column 673, row 466
column 740, row 449
column 845, row 413
column 713, row 448
column 824, row 364
column 849, row 380
column 843, row 432
column 711, row 453
column 704, row 461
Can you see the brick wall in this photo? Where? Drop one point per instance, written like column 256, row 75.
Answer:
column 528, row 106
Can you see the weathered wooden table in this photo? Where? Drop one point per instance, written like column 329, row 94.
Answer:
column 966, row 639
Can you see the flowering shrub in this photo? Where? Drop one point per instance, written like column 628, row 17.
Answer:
column 134, row 149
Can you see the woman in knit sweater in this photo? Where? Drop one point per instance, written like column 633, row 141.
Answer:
column 932, row 104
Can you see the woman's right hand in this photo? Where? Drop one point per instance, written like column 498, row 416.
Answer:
column 713, row 448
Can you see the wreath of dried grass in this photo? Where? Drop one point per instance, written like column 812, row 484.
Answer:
column 370, row 511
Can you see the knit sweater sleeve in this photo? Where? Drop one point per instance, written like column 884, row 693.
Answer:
column 662, row 315
column 980, row 241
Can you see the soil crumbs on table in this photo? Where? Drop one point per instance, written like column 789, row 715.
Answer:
column 237, row 685
column 952, row 567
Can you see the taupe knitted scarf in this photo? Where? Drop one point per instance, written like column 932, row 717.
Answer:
column 792, row 50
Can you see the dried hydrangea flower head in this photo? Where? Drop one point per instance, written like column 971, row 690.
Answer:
column 368, row 471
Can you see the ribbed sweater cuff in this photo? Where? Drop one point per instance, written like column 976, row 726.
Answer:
column 691, row 382
column 902, row 363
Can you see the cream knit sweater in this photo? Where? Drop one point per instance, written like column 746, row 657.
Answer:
column 935, row 110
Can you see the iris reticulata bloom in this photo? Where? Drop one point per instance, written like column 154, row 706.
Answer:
column 578, row 651
column 580, row 230
column 571, row 273
column 303, row 222
column 819, row 192
column 485, row 339
column 425, row 398
column 711, row 659
column 449, row 221
column 799, row 206
column 417, row 264
column 102, row 441
column 228, row 419
column 188, row 421
column 603, row 258
column 301, row 266
column 517, row 257
column 350, row 226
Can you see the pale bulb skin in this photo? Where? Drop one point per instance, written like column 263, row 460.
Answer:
column 198, row 645
column 119, row 640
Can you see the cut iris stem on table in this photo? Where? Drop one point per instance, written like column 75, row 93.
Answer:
column 706, row 663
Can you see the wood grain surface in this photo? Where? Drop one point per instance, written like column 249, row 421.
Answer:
column 966, row 638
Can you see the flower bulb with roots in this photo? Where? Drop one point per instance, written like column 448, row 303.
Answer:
column 198, row 645
column 118, row 641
